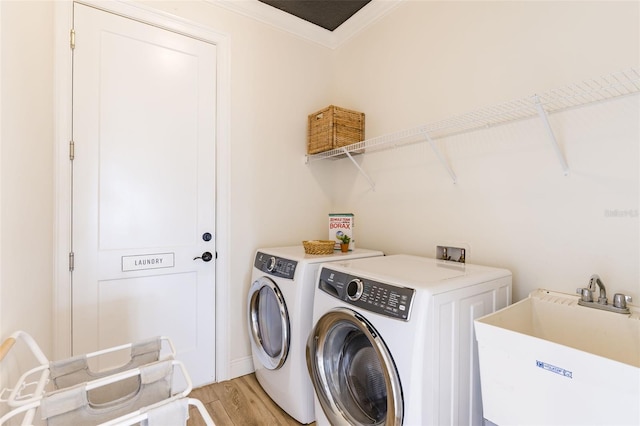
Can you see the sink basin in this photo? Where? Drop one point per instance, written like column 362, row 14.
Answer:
column 547, row 360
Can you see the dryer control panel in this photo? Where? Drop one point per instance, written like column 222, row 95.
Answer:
column 276, row 266
column 381, row 298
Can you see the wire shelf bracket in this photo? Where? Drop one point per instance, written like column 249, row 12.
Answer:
column 552, row 137
column 441, row 157
column 360, row 169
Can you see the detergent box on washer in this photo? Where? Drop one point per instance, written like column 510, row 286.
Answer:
column 339, row 224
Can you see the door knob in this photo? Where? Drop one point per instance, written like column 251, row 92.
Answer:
column 206, row 256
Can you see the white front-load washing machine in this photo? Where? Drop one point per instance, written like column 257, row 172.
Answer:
column 280, row 303
column 393, row 343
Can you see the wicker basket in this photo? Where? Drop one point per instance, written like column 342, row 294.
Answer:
column 334, row 127
column 318, row 246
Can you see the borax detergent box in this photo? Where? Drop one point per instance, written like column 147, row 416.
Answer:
column 340, row 224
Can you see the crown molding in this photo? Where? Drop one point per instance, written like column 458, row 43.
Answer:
column 264, row 13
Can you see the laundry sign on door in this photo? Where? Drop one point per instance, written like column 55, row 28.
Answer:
column 148, row 261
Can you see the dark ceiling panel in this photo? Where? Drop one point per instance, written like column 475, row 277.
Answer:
column 328, row 14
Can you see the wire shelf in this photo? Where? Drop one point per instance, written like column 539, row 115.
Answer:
column 599, row 89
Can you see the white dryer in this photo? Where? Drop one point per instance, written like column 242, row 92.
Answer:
column 280, row 304
column 393, row 342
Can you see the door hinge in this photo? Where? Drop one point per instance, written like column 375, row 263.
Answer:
column 72, row 150
column 71, row 261
column 72, row 39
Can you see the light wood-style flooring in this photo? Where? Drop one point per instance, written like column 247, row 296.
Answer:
column 240, row 401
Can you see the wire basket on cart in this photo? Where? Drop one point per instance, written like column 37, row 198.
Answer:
column 71, row 392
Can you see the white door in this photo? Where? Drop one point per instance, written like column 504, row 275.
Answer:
column 143, row 188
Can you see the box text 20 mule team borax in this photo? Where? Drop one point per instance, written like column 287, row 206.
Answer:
column 339, row 224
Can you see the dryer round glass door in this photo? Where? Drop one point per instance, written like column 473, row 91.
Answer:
column 268, row 323
column 353, row 373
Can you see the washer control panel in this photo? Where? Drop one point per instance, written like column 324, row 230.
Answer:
column 276, row 266
column 381, row 298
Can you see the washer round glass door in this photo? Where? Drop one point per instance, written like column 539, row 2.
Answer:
column 353, row 373
column 268, row 323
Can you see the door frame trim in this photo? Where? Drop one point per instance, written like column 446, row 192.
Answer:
column 62, row 303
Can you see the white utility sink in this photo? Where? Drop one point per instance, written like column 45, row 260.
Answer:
column 548, row 361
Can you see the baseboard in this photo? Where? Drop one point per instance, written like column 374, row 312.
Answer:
column 241, row 367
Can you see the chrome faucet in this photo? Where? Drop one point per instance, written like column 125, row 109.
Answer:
column 596, row 281
column 586, row 297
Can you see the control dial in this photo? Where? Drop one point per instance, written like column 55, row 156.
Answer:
column 355, row 288
column 271, row 264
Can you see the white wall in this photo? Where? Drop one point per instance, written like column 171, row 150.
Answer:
column 427, row 61
column 423, row 62
column 26, row 172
